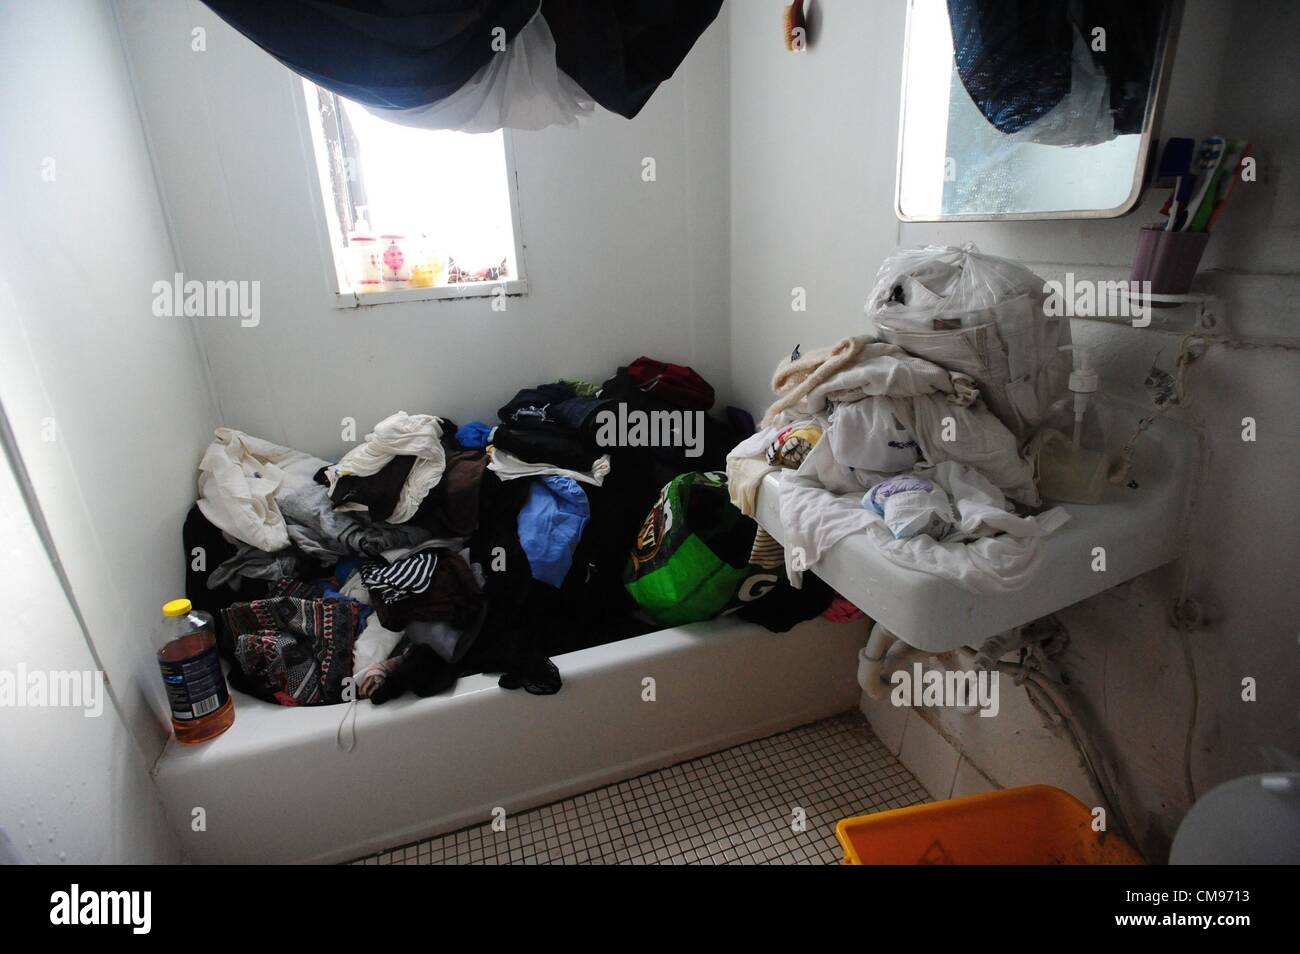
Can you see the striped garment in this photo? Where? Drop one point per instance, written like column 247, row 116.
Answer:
column 393, row 582
column 767, row 553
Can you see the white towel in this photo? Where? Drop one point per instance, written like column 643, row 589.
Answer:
column 509, row 467
column 816, row 519
column 398, row 435
column 239, row 478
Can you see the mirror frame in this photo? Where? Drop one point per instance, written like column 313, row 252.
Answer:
column 1141, row 168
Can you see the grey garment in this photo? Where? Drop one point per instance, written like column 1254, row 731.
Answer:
column 326, row 534
column 449, row 643
column 251, row 563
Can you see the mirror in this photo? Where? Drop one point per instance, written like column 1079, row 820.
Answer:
column 1044, row 110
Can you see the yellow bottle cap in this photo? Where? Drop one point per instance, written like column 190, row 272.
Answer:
column 177, row 607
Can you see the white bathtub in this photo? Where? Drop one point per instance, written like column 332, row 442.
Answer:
column 277, row 788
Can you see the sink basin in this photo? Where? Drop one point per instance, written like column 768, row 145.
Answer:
column 1139, row 527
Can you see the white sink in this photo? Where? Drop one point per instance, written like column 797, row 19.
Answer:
column 1138, row 527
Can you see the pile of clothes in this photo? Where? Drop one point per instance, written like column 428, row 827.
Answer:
column 848, row 421
column 430, row 551
column 921, row 437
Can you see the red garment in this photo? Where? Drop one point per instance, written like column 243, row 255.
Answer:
column 842, row 611
column 674, row 384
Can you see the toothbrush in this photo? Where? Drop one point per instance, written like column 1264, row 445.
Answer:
column 1227, row 166
column 1229, row 183
column 1175, row 161
column 1178, row 201
column 1207, row 162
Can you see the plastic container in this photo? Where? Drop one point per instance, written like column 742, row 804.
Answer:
column 1070, row 474
column 200, row 702
column 365, row 256
column 427, row 270
column 1074, row 458
column 1034, row 825
column 396, row 260
column 1168, row 260
column 366, row 269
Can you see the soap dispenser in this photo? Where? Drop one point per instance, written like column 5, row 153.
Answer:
column 1072, row 459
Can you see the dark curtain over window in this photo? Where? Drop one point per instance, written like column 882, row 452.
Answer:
column 401, row 54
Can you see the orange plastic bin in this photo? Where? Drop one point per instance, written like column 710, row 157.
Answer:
column 1034, row 825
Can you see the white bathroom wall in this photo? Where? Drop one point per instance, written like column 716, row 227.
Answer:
column 75, row 788
column 616, row 267
column 813, row 153
column 110, row 405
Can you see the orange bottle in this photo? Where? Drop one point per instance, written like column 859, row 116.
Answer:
column 191, row 672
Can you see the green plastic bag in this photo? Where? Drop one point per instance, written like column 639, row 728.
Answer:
column 692, row 553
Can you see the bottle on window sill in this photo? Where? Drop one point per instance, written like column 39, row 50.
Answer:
column 366, row 267
column 396, row 261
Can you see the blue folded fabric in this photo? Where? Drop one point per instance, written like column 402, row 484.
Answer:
column 344, row 569
column 473, row 434
column 551, row 522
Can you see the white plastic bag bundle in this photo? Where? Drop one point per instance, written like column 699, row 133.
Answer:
column 911, row 506
column 938, row 288
column 520, row 88
column 979, row 315
column 919, row 512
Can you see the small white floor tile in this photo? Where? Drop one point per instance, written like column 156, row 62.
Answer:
column 771, row 801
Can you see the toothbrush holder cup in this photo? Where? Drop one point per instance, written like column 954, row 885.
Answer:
column 1168, row 260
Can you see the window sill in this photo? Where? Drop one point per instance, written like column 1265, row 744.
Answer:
column 513, row 287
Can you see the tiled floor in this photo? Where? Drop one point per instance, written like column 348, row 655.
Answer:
column 738, row 806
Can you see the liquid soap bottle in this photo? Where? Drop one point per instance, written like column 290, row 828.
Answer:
column 1073, row 459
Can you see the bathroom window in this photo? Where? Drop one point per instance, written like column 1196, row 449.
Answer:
column 413, row 213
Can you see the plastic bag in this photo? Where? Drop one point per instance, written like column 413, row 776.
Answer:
column 938, row 288
column 911, row 506
column 520, row 88
column 919, row 512
column 979, row 315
